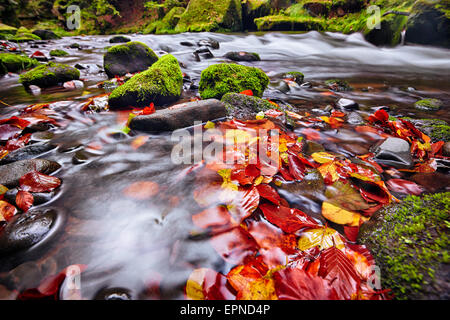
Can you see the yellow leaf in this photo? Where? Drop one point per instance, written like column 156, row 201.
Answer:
column 340, row 216
column 258, row 180
column 3, row 189
column 323, row 237
column 194, row 285
column 260, row 115
column 323, row 157
column 237, row 136
column 262, row 289
column 329, row 169
column 210, row 125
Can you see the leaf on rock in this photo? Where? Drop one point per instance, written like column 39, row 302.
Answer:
column 7, row 211
column 345, row 196
column 340, row 216
column 24, row 200
column 269, row 193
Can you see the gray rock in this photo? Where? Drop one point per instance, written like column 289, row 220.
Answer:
column 355, row 119
column 180, row 116
column 242, row 56
column 244, row 107
column 428, row 104
column 12, row 172
column 347, row 104
column 209, row 43
column 26, row 230
column 394, row 152
column 27, row 152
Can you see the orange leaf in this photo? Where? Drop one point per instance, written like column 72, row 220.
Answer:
column 24, row 200
column 142, row 190
column 7, row 211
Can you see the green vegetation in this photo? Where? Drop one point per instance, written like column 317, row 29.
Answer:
column 168, row 23
column 410, row 243
column 48, row 75
column 219, row 79
column 428, row 104
column 10, row 62
column 161, row 84
column 58, row 53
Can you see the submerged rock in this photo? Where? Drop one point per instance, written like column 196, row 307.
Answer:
column 394, row 152
column 338, row 85
column 26, row 230
column 219, row 79
column 113, row 294
column 209, row 43
column 161, row 84
column 131, row 57
column 409, row 242
column 241, row 106
column 295, row 76
column 242, row 56
column 180, row 116
column 12, row 172
column 38, row 197
column 49, row 75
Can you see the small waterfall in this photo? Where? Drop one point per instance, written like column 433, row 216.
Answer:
column 402, row 43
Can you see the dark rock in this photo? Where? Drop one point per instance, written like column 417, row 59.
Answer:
column 75, row 46
column 306, row 85
column 316, row 8
column 26, row 230
column 242, row 56
column 46, row 34
column 241, row 106
column 27, row 152
column 313, row 147
column 390, row 31
column 119, row 39
column 12, row 172
column 446, row 149
column 252, row 10
column 91, row 68
column 209, row 43
column 432, row 182
column 407, row 241
column 131, row 57
column 394, row 152
column 347, row 104
column 113, row 294
column 187, row 44
column 338, row 85
column 48, row 75
column 294, row 76
column 204, row 52
column 180, row 116
column 39, row 197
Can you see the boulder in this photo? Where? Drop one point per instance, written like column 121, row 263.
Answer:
column 242, row 56
column 161, row 84
column 394, row 152
column 219, row 79
column 241, row 106
column 408, row 241
column 10, row 62
column 428, row 104
column 211, row 15
column 390, row 31
column 429, row 23
column 131, row 57
column 58, row 53
column 252, row 9
column 46, row 34
column 119, row 39
column 12, row 172
column 347, row 104
column 48, row 75
column 209, row 43
column 180, row 116
column 24, row 35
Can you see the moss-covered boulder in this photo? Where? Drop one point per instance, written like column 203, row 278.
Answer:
column 211, row 15
column 46, row 34
column 168, row 23
column 10, row 62
column 244, row 107
column 219, row 79
column 429, row 23
column 253, row 9
column 390, row 32
column 410, row 243
column 288, row 23
column 131, row 57
column 161, row 84
column 437, row 130
column 296, row 76
column 58, row 53
column 428, row 104
column 48, row 75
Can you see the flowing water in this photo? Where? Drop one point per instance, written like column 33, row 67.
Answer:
column 130, row 244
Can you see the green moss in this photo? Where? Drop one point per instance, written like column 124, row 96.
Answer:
column 167, row 24
column 58, row 53
column 428, row 104
column 285, row 23
column 7, row 30
column 48, row 75
column 296, row 76
column 211, row 15
column 219, row 79
column 160, row 84
column 410, row 245
column 10, row 62
column 437, row 130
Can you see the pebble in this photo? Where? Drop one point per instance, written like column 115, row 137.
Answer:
column 347, row 104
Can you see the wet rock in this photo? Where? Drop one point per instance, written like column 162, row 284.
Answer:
column 58, row 53
column 12, row 172
column 294, row 76
column 187, row 44
column 253, row 9
column 428, row 104
column 26, row 230
column 180, row 116
column 306, row 85
column 242, row 56
column 209, row 43
column 313, row 147
column 407, row 241
column 89, row 68
column 394, row 152
column 219, row 79
column 131, row 57
column 283, row 87
column 46, row 34
column 75, row 46
column 74, row 85
column 161, row 84
column 355, row 149
column 10, row 62
column 446, row 149
column 241, row 106
column 338, row 85
column 27, row 152
column 432, row 182
column 39, row 197
column 119, row 39
column 48, row 75
column 204, row 53
column 42, row 136
column 347, row 104
column 437, row 130
column 390, row 31
column 35, row 90
column 355, row 119
column 165, row 48
column 113, row 294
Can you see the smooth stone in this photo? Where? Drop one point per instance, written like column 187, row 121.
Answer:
column 394, row 152
column 347, row 104
column 355, row 119
column 26, row 230
column 187, row 44
column 242, row 56
column 119, row 39
column 306, row 85
column 46, row 34
column 35, row 90
column 428, row 104
column 180, row 116
column 12, row 172
column 39, row 197
column 209, row 43
column 74, row 85
column 27, row 152
column 241, row 106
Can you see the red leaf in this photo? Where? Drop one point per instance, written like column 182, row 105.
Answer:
column 297, row 284
column 18, row 143
column 212, row 217
column 340, row 272
column 24, row 200
column 269, row 193
column 379, row 116
column 244, row 203
column 234, row 245
column 38, row 182
column 247, row 92
column 351, row 233
column 15, row 121
column 148, row 110
column 404, row 186
column 8, row 131
column 296, row 167
column 37, row 54
column 7, row 211
column 287, row 219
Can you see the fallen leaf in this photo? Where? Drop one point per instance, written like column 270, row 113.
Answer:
column 287, row 219
column 38, row 182
column 7, row 211
column 340, row 216
column 24, row 200
column 323, row 237
column 404, row 186
column 142, row 190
